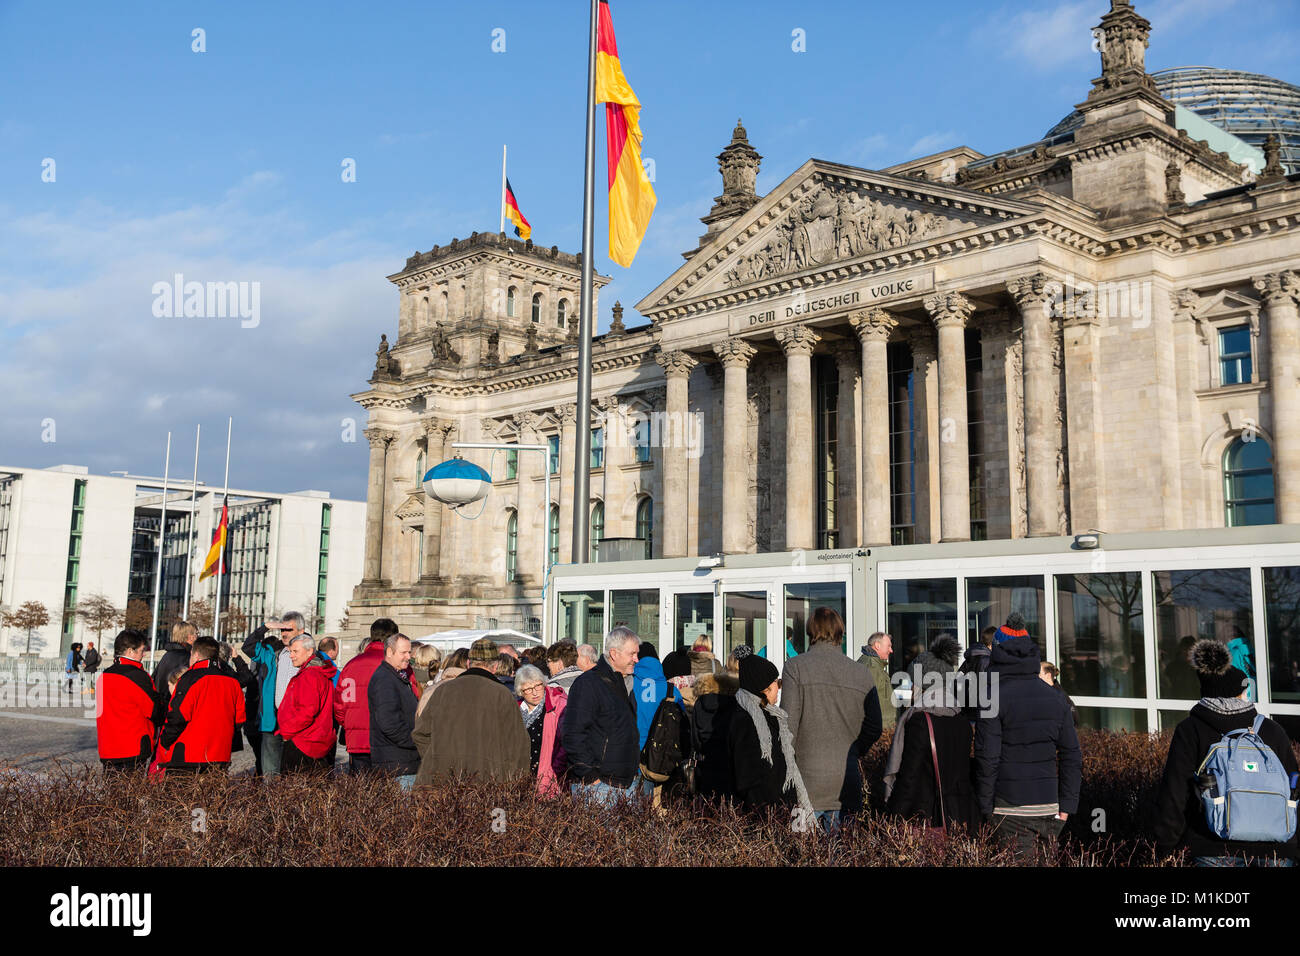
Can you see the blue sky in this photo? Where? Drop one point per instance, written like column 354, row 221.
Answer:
column 225, row 166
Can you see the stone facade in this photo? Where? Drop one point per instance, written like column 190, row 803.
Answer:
column 962, row 345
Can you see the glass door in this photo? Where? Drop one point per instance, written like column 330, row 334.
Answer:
column 744, row 621
column 692, row 618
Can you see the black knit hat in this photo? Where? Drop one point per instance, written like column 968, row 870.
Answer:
column 756, row 673
column 676, row 664
column 1213, row 665
column 647, row 650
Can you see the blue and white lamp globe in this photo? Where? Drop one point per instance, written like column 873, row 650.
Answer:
column 457, row 482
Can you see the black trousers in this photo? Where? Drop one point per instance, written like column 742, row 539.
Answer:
column 295, row 761
column 359, row 763
column 125, row 764
column 254, row 738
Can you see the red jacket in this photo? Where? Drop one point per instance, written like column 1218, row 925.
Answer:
column 306, row 715
column 127, row 702
column 351, row 707
column 200, row 725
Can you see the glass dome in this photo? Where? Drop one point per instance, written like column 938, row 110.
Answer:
column 1250, row 106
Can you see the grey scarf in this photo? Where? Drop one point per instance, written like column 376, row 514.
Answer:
column 1227, row 705
column 754, row 707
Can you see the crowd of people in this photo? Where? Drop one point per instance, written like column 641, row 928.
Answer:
column 621, row 725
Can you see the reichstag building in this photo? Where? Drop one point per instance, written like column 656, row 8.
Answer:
column 1097, row 330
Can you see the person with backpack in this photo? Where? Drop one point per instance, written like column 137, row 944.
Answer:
column 663, row 729
column 1227, row 794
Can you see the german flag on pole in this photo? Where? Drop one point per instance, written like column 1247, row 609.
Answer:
column 522, row 229
column 218, row 546
column 631, row 197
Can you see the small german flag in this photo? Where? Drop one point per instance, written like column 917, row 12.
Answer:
column 522, row 229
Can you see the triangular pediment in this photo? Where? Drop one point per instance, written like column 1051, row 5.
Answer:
column 825, row 217
column 412, row 507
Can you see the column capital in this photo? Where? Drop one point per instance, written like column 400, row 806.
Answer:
column 734, row 353
column 797, row 339
column 1035, row 289
column 676, row 363
column 1279, row 288
column 1183, row 302
column 1080, row 309
column 873, row 324
column 437, row 429
column 949, row 309
column 379, row 436
column 566, row 413
column 526, row 421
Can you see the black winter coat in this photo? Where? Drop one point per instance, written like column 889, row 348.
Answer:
column 175, row 657
column 599, row 728
column 1028, row 754
column 392, row 717
column 92, row 661
column 914, row 793
column 1179, row 819
column 755, row 783
column 711, row 723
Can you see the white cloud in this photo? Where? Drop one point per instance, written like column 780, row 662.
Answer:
column 1044, row 38
column 934, row 143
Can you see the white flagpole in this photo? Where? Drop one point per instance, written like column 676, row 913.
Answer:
column 221, row 554
column 503, row 188
column 194, row 518
column 162, row 537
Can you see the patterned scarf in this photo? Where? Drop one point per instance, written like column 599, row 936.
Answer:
column 755, row 707
column 530, row 716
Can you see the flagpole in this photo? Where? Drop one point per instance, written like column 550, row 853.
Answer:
column 221, row 553
column 194, row 517
column 582, row 455
column 503, row 188
column 162, row 537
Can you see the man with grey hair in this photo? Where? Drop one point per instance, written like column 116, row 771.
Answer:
column 587, row 657
column 268, row 649
column 600, row 735
column 875, row 655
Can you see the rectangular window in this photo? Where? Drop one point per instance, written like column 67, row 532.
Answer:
column 902, row 459
column 827, row 444
column 917, row 612
column 512, row 464
column 581, row 617
column 692, row 617
column 643, row 439
column 1234, row 355
column 1282, row 616
column 1099, row 627
column 553, row 453
column 990, row 600
column 1193, row 605
column 639, row 610
column 975, row 434
column 598, row 448
column 801, row 600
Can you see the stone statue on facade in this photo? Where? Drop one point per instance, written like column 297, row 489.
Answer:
column 387, row 368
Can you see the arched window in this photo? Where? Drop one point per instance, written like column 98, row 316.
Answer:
column 597, row 528
column 553, row 534
column 562, row 313
column 419, row 467
column 1248, row 483
column 510, row 302
column 645, row 524
column 537, row 308
column 442, row 305
column 512, row 544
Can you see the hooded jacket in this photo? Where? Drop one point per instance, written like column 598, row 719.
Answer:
column 703, row 662
column 1179, row 819
column 1028, row 754
column 649, row 689
column 351, row 698
column 599, row 729
column 306, row 715
column 392, row 703
column 206, row 708
column 127, row 707
column 715, row 708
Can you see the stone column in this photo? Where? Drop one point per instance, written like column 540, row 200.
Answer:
column 925, row 391
column 1034, row 295
column 950, row 310
column 848, row 458
column 874, row 327
column 1083, row 413
column 798, row 341
column 1281, row 294
column 568, row 416
column 437, row 431
column 379, row 439
column 673, row 433
column 616, row 447
column 528, row 556
column 734, row 354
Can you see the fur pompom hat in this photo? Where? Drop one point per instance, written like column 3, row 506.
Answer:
column 1213, row 664
column 947, row 650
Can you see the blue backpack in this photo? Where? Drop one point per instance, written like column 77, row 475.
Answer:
column 1245, row 790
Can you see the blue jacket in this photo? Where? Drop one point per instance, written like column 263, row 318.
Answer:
column 266, row 652
column 648, row 688
column 1028, row 754
column 599, row 728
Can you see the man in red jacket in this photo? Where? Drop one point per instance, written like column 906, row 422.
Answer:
column 351, row 706
column 305, row 718
column 127, row 705
column 205, row 709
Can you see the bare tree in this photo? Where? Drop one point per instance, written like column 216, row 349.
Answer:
column 138, row 615
column 29, row 616
column 99, row 614
column 233, row 621
column 201, row 613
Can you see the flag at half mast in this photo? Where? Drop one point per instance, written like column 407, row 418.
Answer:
column 522, row 229
column 215, row 552
column 631, row 197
